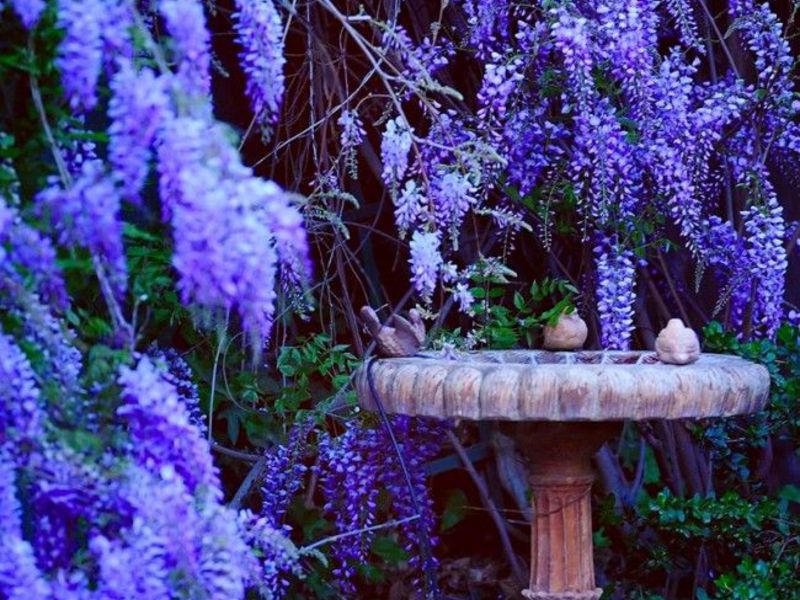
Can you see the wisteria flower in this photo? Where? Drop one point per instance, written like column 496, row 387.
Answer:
column 260, row 33
column 395, row 145
column 136, row 110
column 29, row 11
column 426, row 262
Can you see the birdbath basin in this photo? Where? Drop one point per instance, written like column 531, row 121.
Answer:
column 563, row 406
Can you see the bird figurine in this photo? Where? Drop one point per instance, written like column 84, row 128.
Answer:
column 569, row 333
column 398, row 336
column 677, row 344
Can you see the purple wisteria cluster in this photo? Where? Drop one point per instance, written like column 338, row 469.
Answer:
column 426, row 261
column 137, row 108
column 260, row 34
column 355, row 467
column 350, row 138
column 19, row 577
column 605, row 105
column 121, row 507
column 162, row 435
column 25, row 252
column 234, row 233
column 108, row 488
column 29, row 11
column 615, row 296
column 87, row 213
column 395, row 145
column 22, row 418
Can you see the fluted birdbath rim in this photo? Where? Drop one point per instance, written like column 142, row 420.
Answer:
column 539, row 385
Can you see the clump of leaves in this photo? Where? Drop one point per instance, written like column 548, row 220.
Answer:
column 511, row 315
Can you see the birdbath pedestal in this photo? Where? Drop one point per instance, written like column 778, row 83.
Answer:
column 561, row 407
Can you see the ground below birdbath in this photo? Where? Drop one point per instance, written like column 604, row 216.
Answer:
column 561, row 407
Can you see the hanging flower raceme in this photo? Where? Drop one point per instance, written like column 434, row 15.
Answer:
column 766, row 256
column 349, row 474
column 774, row 63
column 20, row 578
column 21, row 411
column 137, row 109
column 352, row 133
column 260, row 34
column 532, row 146
column 29, row 11
column 205, row 556
column 179, row 374
column 426, row 262
column 163, row 440
column 278, row 558
column 221, row 220
column 355, row 466
column 604, row 167
column 186, row 24
column 90, row 27
column 570, row 37
column 615, row 295
column 408, row 207
column 289, row 236
column 488, row 25
column 283, row 476
column 350, row 137
column 453, row 195
column 395, row 145
column 500, row 78
column 87, row 214
column 54, row 339
column 25, row 252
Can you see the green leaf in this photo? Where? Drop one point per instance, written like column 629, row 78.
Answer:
column 455, row 509
column 503, row 337
column 790, row 493
column 132, row 232
column 389, row 550
column 519, row 301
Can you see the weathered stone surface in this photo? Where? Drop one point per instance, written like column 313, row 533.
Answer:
column 397, row 337
column 677, row 344
column 566, row 386
column 562, row 565
column 569, row 333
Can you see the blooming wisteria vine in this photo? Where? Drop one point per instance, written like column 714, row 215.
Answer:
column 600, row 106
column 355, row 467
column 260, row 32
column 93, row 511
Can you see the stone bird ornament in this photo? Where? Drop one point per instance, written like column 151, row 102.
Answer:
column 399, row 336
column 569, row 333
column 677, row 344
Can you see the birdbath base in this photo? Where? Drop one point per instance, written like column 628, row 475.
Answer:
column 562, row 563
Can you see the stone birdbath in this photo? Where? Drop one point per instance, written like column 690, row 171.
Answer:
column 561, row 407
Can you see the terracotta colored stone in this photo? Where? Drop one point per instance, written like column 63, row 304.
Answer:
column 397, row 337
column 569, row 333
column 677, row 344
